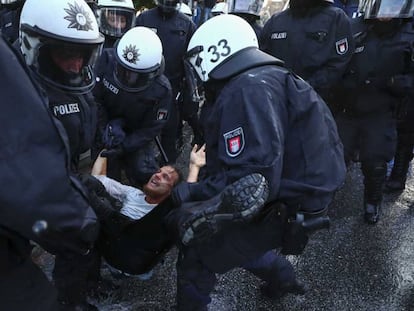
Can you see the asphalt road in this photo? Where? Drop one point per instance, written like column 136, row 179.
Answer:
column 352, row 266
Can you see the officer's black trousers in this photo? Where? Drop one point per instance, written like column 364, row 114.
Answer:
column 243, row 245
column 374, row 135
column 23, row 286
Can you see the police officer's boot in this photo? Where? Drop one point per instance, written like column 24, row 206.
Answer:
column 239, row 202
column 278, row 275
column 374, row 179
column 402, row 159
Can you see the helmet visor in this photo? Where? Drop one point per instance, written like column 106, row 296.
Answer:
column 116, row 21
column 135, row 81
column 67, row 66
column 252, row 7
column 376, row 9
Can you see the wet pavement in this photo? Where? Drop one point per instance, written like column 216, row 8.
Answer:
column 351, row 266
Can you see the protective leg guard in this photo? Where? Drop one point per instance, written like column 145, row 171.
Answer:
column 239, row 202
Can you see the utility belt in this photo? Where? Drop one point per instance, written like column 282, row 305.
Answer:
column 298, row 225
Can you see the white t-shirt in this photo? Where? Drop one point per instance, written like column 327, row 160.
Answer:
column 132, row 199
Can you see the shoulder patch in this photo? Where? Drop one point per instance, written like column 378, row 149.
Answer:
column 341, row 46
column 234, row 141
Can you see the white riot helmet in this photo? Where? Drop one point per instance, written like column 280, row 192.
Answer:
column 216, row 41
column 116, row 17
column 60, row 42
column 375, row 9
column 185, row 9
column 219, row 8
column 139, row 59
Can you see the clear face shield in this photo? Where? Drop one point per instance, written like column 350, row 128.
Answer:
column 194, row 83
column 67, row 66
column 115, row 21
column 387, row 9
column 135, row 81
column 252, row 7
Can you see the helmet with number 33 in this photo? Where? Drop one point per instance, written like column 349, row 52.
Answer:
column 216, row 42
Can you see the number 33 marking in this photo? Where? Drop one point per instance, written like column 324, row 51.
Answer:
column 224, row 50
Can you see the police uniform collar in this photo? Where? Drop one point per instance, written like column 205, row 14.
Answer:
column 241, row 61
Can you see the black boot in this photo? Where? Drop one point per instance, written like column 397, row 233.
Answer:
column 374, row 179
column 240, row 201
column 402, row 159
column 277, row 291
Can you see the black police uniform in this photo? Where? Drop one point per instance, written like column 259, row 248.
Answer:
column 143, row 115
column 378, row 78
column 77, row 115
column 174, row 30
column 317, row 46
column 404, row 114
column 35, row 186
column 290, row 138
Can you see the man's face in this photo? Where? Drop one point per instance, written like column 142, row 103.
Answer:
column 116, row 21
column 161, row 183
column 68, row 60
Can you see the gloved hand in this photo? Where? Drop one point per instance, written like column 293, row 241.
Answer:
column 112, row 153
column 113, row 134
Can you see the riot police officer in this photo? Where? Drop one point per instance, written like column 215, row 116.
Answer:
column 314, row 39
column 378, row 81
column 405, row 135
column 115, row 18
column 174, row 29
column 9, row 18
column 60, row 45
column 36, row 191
column 135, row 100
column 405, row 145
column 261, row 122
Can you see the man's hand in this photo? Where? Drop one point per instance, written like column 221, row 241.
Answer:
column 198, row 156
column 197, row 161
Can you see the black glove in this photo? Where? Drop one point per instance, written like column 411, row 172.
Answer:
column 112, row 153
column 113, row 134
